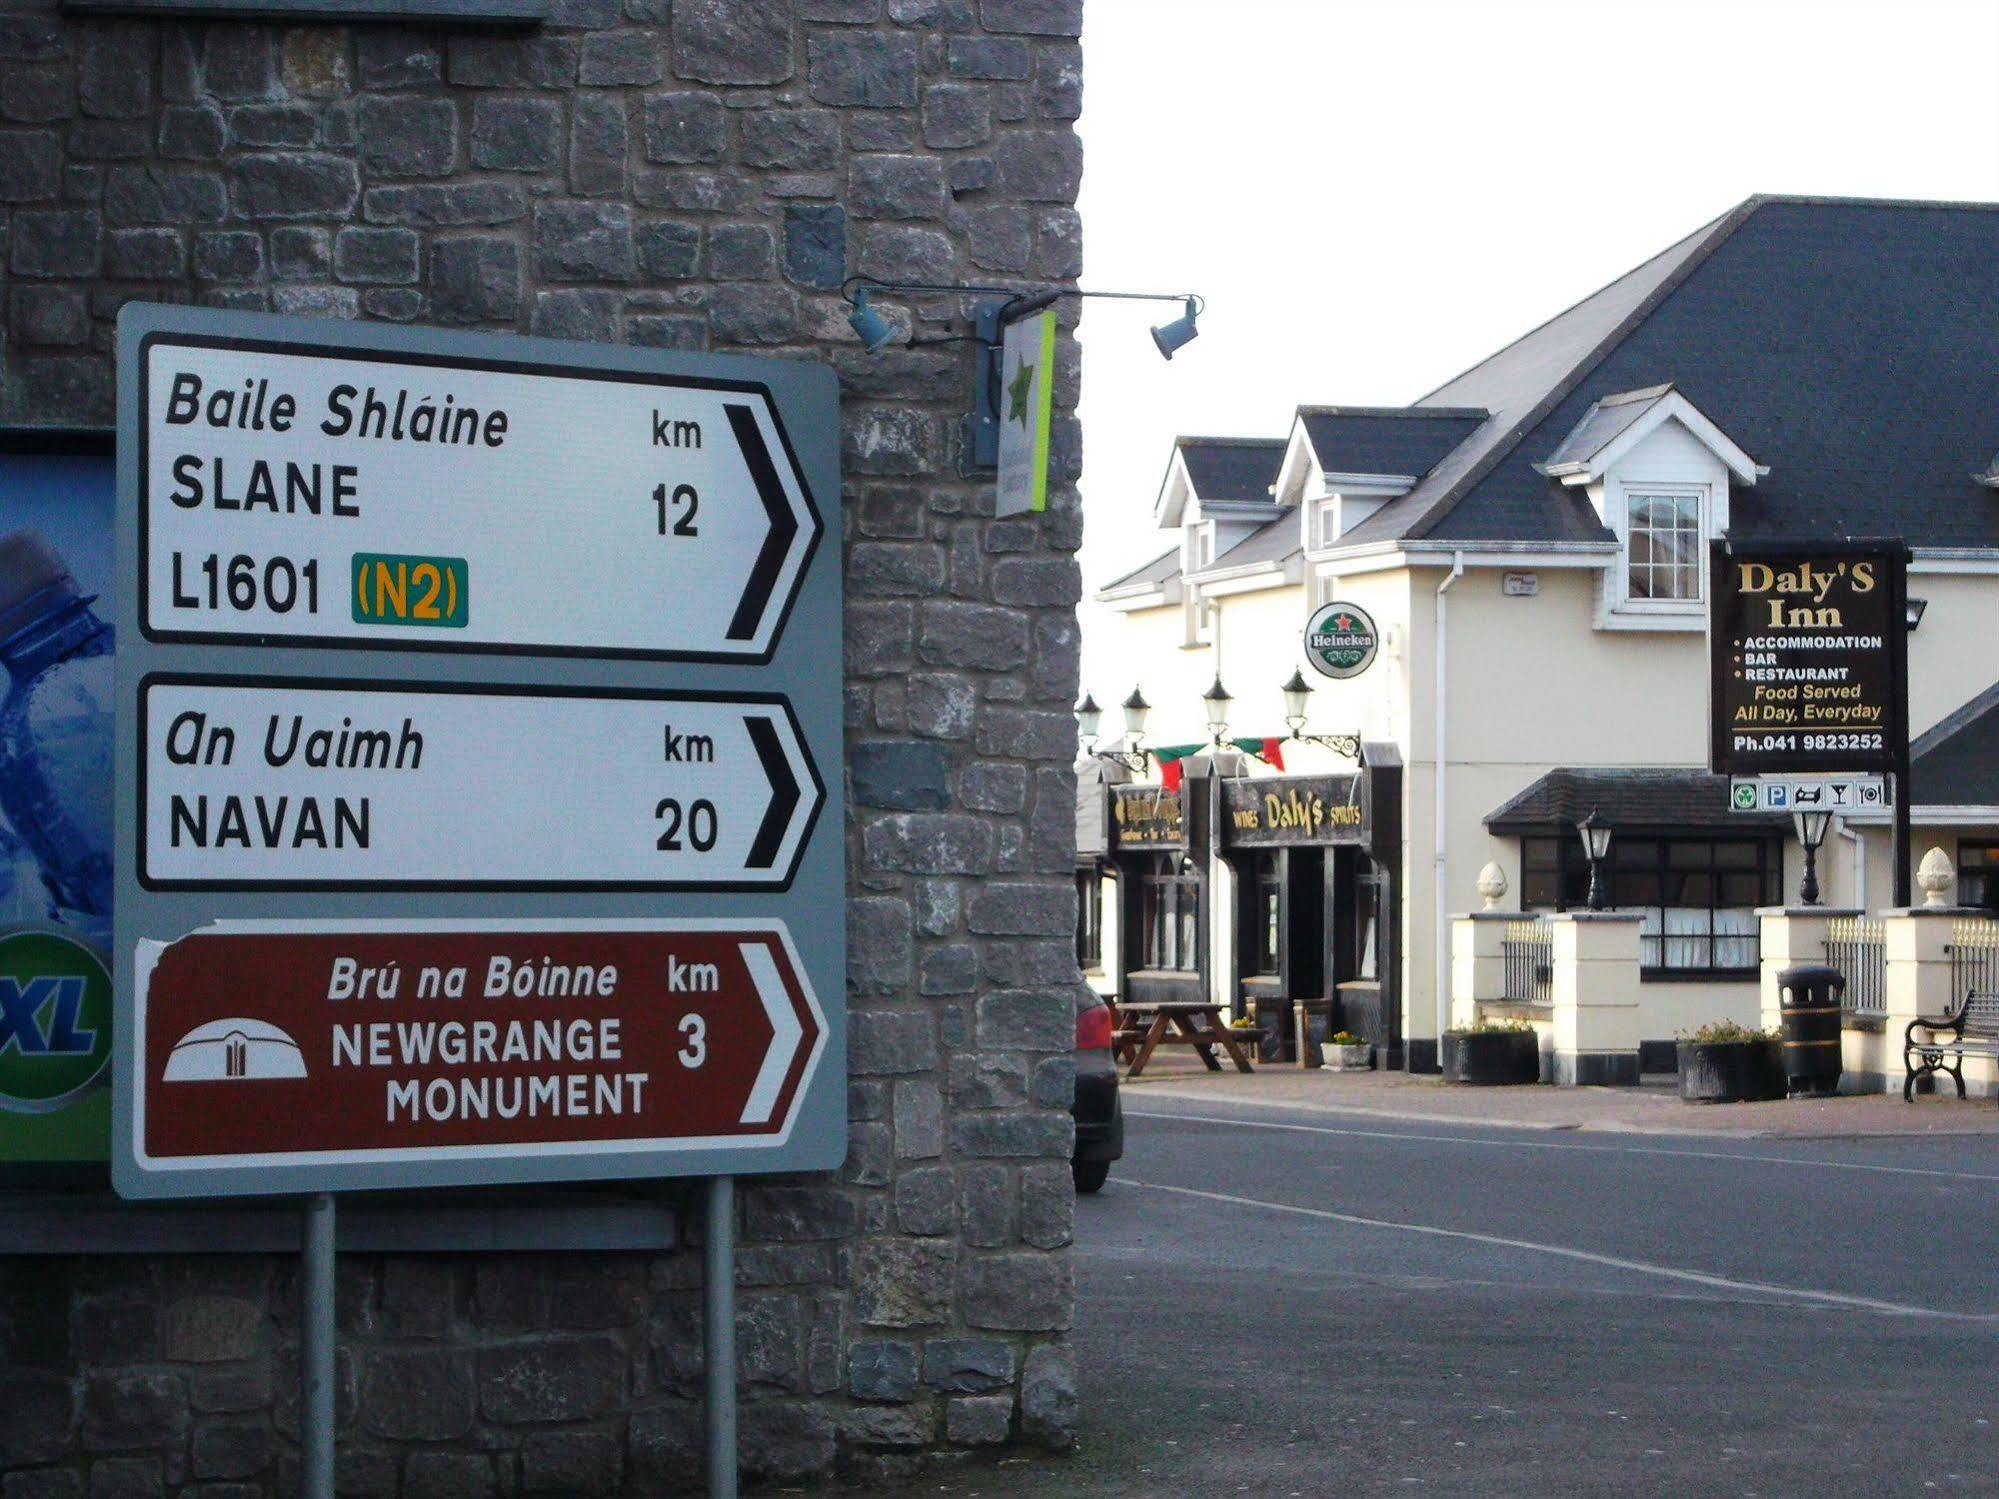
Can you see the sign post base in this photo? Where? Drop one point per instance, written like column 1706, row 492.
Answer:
column 719, row 1331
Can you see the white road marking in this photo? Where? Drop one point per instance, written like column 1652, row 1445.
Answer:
column 1610, row 1261
column 1513, row 1144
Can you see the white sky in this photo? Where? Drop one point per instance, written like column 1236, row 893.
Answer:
column 1374, row 196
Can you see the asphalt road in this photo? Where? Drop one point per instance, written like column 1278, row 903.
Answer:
column 1327, row 1304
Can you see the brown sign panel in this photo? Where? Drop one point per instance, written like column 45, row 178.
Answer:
column 1147, row 817
column 439, row 1049
column 1809, row 658
column 1292, row 810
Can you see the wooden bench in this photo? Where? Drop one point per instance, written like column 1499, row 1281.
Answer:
column 1972, row 1029
column 1143, row 1027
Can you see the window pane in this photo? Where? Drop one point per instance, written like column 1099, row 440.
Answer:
column 1635, row 853
column 1738, row 854
column 1629, row 888
column 1741, row 890
column 1540, row 890
column 1540, row 853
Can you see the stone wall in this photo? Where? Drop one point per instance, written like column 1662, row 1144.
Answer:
column 688, row 174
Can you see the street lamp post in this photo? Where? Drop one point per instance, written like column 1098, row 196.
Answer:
column 1090, row 717
column 1811, row 828
column 1595, row 834
column 1216, row 699
column 1297, row 692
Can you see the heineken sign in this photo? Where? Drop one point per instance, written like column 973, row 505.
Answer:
column 1341, row 641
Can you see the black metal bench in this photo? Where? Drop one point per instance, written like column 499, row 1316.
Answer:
column 1972, row 1029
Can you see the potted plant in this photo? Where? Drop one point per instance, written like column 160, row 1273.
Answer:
column 1491, row 1053
column 1723, row 1062
column 1346, row 1052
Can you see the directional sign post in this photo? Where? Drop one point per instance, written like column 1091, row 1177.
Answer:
column 479, row 718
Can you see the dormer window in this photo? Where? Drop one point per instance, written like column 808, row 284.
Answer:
column 1662, row 549
column 1326, row 521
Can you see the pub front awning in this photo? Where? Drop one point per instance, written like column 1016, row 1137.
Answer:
column 1662, row 799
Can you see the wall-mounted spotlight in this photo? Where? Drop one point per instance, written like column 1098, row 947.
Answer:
column 998, row 306
column 869, row 326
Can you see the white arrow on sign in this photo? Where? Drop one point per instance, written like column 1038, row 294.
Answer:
column 288, row 784
column 786, row 1033
column 329, row 492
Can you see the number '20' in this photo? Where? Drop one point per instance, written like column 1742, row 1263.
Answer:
column 697, row 820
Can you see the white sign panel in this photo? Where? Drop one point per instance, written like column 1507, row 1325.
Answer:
column 285, row 784
column 1808, row 794
column 380, row 498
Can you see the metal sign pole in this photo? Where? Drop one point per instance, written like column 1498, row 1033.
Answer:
column 719, row 1331
column 316, row 1340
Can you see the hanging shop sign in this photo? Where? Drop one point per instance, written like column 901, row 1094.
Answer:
column 1294, row 810
column 540, row 895
column 1808, row 658
column 1340, row 640
column 1027, row 405
column 1147, row 817
column 334, row 491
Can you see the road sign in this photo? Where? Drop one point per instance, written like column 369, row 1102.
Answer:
column 608, row 737
column 328, row 489
column 300, row 784
column 1809, row 794
column 1809, row 669
column 347, row 1055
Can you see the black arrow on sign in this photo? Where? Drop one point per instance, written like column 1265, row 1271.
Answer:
column 783, row 523
column 783, row 792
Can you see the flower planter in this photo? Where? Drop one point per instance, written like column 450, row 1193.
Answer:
column 1731, row 1071
column 1491, row 1058
column 1356, row 1058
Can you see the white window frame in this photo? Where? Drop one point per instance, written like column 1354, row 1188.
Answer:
column 1623, row 492
column 1198, row 617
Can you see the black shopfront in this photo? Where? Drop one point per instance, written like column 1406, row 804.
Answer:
column 1315, row 862
column 1157, row 855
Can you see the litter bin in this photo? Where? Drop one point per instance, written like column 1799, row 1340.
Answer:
column 1808, row 995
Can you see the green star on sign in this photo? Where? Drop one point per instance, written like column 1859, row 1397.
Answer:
column 1017, row 391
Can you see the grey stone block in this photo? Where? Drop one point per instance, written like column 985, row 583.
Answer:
column 229, row 255
column 1017, row 1291
column 732, row 41
column 815, row 245
column 192, row 132
column 747, row 313
column 956, row 115
column 273, row 124
column 540, row 60
column 685, row 332
column 231, row 1449
column 886, row 1042
column 556, row 1379
column 1047, row 1204
column 566, row 1463
column 668, row 250
column 403, row 137
column 133, row 1409
column 475, row 279
column 164, row 195
column 240, row 62
column 1048, row 1403
column 685, row 127
column 931, row 843
column 903, row 1282
column 798, row 140
column 919, row 1119
column 953, row 969
column 619, row 57
column 516, row 135
column 783, row 1440
column 293, row 185
column 881, row 1369
column 447, row 205
column 571, row 313
column 578, row 241
column 1036, row 1134
column 146, row 255
column 1037, row 17
column 988, row 57
column 1029, row 1019
column 389, row 57
column 968, row 1365
column 44, row 1483
column 988, row 1206
column 300, row 254
column 900, row 775
column 417, row 1394
column 926, row 1201
column 741, row 252
column 973, row 635
column 896, row 187
column 875, row 70
column 115, row 81
column 1040, row 166
column 450, row 1475
column 386, row 257
column 599, row 144
column 126, row 1478
column 55, row 315
column 979, row 1420
column 38, row 1416
column 1058, row 83
column 37, row 96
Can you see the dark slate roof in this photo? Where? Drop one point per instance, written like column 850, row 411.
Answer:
column 1385, row 440
column 1158, row 570
column 1671, row 799
column 1604, row 423
column 1232, row 468
column 1956, row 763
column 1851, row 345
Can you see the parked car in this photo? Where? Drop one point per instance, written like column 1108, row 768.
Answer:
column 1099, row 1115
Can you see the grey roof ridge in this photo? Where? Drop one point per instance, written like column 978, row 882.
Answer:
column 1955, row 721
column 1626, row 397
column 1707, row 241
column 1231, row 442
column 1125, row 578
column 1460, row 413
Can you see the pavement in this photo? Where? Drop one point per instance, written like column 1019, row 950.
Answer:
column 1653, row 1107
column 1310, row 1284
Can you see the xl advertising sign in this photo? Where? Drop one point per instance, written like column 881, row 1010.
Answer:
column 1809, row 658
column 478, row 761
column 55, row 809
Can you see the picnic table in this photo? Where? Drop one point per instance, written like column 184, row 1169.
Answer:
column 1141, row 1028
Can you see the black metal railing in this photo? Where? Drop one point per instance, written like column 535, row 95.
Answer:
column 1527, row 952
column 1858, row 948
column 1974, row 957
